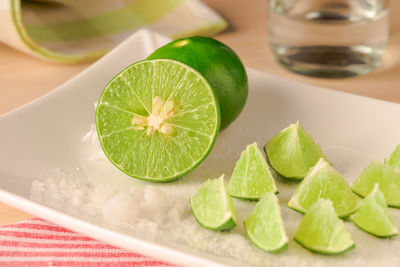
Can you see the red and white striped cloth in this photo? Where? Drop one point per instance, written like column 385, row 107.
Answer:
column 36, row 242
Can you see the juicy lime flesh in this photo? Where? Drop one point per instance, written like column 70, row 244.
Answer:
column 157, row 119
column 219, row 65
column 373, row 215
column 386, row 176
column 394, row 159
column 292, row 152
column 322, row 231
column 212, row 206
column 251, row 176
column 323, row 181
column 265, row 226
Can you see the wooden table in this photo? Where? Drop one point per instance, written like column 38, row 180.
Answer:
column 23, row 78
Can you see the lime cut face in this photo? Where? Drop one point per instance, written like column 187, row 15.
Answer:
column 374, row 217
column 322, row 231
column 386, row 176
column 157, row 119
column 292, row 152
column 323, row 181
column 265, row 227
column 394, row 159
column 212, row 206
column 252, row 177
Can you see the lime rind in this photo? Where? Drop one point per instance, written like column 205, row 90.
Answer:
column 212, row 206
column 373, row 215
column 386, row 176
column 121, row 148
column 252, row 176
column 323, row 181
column 265, row 227
column 219, row 64
column 394, row 158
column 322, row 231
column 292, row 152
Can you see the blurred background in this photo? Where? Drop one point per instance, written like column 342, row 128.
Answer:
column 24, row 78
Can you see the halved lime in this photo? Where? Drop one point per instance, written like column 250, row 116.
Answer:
column 394, row 159
column 386, row 176
column 323, row 181
column 374, row 217
column 322, row 231
column 265, row 226
column 212, row 206
column 252, row 177
column 292, row 152
column 157, row 119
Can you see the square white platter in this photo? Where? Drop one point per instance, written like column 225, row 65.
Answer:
column 45, row 135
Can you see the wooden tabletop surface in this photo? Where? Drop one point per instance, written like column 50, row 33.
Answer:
column 23, row 78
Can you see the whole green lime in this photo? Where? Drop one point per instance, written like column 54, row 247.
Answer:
column 219, row 64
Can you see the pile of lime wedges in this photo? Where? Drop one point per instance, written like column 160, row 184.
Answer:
column 323, row 195
column 158, row 119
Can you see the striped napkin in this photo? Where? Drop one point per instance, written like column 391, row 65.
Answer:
column 71, row 31
column 36, row 242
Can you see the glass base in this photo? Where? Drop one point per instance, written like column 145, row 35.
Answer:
column 328, row 61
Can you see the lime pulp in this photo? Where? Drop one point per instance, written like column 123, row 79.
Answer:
column 157, row 119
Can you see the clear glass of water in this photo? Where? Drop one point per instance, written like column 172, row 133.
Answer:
column 329, row 38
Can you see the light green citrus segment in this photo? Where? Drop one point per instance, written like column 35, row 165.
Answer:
column 323, row 181
column 265, row 227
column 373, row 215
column 394, row 159
column 292, row 152
column 322, row 231
column 212, row 206
column 157, row 119
column 252, row 177
column 386, row 176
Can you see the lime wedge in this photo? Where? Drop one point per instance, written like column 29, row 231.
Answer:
column 323, row 181
column 212, row 206
column 252, row 177
column 386, row 176
column 265, row 226
column 394, row 159
column 322, row 231
column 157, row 119
column 292, row 152
column 374, row 217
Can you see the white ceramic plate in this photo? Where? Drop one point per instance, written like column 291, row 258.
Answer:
column 46, row 135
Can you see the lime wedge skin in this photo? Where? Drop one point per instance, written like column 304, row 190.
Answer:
column 394, row 159
column 265, row 227
column 172, row 99
column 252, row 176
column 323, row 181
column 292, row 152
column 219, row 64
column 322, row 231
column 212, row 206
column 386, row 176
column 374, row 217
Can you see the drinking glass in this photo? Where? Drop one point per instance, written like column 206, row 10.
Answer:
column 329, row 38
